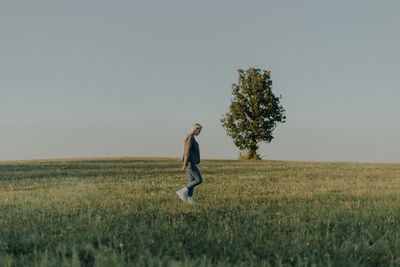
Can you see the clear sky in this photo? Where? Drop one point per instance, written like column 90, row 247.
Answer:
column 99, row 78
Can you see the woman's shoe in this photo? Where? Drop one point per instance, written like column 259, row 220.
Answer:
column 181, row 195
column 191, row 201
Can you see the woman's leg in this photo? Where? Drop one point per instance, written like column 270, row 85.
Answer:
column 194, row 176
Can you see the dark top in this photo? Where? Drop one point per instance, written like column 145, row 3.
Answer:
column 191, row 151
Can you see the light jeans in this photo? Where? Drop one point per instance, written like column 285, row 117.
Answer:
column 194, row 176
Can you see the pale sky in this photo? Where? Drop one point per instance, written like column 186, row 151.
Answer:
column 99, row 78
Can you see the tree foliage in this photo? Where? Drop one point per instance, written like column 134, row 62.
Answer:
column 254, row 112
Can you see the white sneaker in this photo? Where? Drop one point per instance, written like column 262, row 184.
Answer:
column 181, row 194
column 191, row 201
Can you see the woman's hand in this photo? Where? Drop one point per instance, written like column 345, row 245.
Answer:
column 183, row 168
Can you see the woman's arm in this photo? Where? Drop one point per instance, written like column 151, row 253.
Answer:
column 187, row 147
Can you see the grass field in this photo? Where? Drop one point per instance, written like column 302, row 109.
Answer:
column 124, row 212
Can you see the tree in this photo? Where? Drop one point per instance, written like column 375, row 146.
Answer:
column 254, row 112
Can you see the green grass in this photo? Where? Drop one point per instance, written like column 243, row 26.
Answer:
column 124, row 212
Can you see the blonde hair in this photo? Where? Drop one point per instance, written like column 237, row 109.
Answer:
column 194, row 128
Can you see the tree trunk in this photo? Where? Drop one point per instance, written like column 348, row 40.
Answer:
column 250, row 155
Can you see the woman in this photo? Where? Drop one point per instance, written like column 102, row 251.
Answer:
column 191, row 158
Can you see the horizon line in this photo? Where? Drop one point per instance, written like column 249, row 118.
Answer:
column 177, row 158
